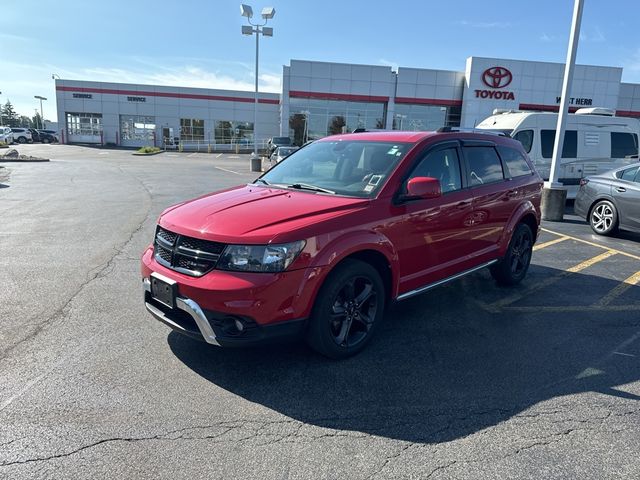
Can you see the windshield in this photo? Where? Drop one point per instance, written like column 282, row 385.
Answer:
column 353, row 168
column 281, row 140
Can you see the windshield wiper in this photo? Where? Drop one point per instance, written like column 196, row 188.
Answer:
column 261, row 180
column 313, row 188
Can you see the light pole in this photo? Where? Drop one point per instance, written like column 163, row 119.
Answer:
column 553, row 195
column 0, row 111
column 41, row 116
column 257, row 28
column 305, row 131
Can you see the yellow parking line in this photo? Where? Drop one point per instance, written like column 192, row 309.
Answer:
column 618, row 290
column 540, row 246
column 619, row 252
column 551, row 280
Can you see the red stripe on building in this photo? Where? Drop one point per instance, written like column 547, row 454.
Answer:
column 627, row 113
column 337, row 96
column 194, row 96
column 544, row 108
column 429, row 101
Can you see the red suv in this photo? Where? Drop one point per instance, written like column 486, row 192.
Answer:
column 322, row 242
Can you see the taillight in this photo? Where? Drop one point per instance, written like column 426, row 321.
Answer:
column 583, row 181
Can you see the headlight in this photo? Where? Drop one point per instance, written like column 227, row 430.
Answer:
column 259, row 258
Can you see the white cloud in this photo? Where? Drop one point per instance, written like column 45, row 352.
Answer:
column 547, row 38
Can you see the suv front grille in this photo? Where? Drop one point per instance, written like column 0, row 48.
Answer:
column 188, row 255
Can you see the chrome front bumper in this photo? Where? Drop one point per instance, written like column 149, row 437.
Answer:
column 186, row 305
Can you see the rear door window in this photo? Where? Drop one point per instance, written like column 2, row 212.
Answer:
column 569, row 148
column 627, row 174
column 484, row 166
column 516, row 164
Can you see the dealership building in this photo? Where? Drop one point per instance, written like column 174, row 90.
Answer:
column 322, row 98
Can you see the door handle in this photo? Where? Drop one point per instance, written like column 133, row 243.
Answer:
column 621, row 189
column 510, row 194
column 462, row 205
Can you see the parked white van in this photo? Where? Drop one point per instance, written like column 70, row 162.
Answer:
column 6, row 135
column 595, row 141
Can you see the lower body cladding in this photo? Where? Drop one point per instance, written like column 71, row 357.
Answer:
column 244, row 309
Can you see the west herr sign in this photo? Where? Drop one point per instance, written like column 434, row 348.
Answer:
column 577, row 101
column 496, row 77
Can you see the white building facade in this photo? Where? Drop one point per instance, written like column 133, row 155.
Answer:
column 322, row 98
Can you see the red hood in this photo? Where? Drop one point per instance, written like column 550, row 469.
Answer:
column 255, row 214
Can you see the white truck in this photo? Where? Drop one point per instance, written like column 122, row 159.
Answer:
column 595, row 141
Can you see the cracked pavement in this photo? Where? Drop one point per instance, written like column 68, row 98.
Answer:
column 93, row 387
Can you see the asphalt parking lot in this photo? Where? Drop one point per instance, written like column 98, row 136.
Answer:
column 466, row 381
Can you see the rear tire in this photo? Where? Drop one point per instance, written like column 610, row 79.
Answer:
column 513, row 267
column 347, row 311
column 22, row 140
column 603, row 218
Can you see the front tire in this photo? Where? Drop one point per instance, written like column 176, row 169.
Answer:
column 514, row 265
column 603, row 218
column 347, row 310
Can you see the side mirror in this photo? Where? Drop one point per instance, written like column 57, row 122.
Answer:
column 422, row 188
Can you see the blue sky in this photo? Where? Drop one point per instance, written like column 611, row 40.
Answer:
column 198, row 43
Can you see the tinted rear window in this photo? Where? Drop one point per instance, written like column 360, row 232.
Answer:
column 569, row 148
column 516, row 164
column 484, row 165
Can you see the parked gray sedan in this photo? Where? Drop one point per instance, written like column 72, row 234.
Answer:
column 611, row 200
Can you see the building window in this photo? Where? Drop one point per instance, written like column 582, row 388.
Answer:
column 191, row 129
column 311, row 119
column 425, row 117
column 229, row 132
column 137, row 127
column 84, row 124
column 569, row 147
column 623, row 144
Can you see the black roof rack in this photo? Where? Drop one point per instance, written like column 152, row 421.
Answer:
column 470, row 130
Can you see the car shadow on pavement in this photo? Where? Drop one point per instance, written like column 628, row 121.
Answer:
column 443, row 367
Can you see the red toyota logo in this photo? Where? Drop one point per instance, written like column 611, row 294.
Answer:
column 496, row 77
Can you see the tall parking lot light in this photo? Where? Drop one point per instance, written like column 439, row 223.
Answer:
column 41, row 115
column 257, row 28
column 553, row 195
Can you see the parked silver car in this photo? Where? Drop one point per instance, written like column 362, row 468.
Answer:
column 611, row 200
column 280, row 153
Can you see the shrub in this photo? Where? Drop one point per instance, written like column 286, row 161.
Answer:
column 149, row 150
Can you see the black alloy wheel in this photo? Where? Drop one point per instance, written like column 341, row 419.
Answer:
column 348, row 309
column 514, row 265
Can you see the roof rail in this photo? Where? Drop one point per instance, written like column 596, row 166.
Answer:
column 470, row 130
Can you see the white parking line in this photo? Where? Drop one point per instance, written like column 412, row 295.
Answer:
column 226, row 170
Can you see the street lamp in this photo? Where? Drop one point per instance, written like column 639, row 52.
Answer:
column 267, row 14
column 41, row 115
column 0, row 111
